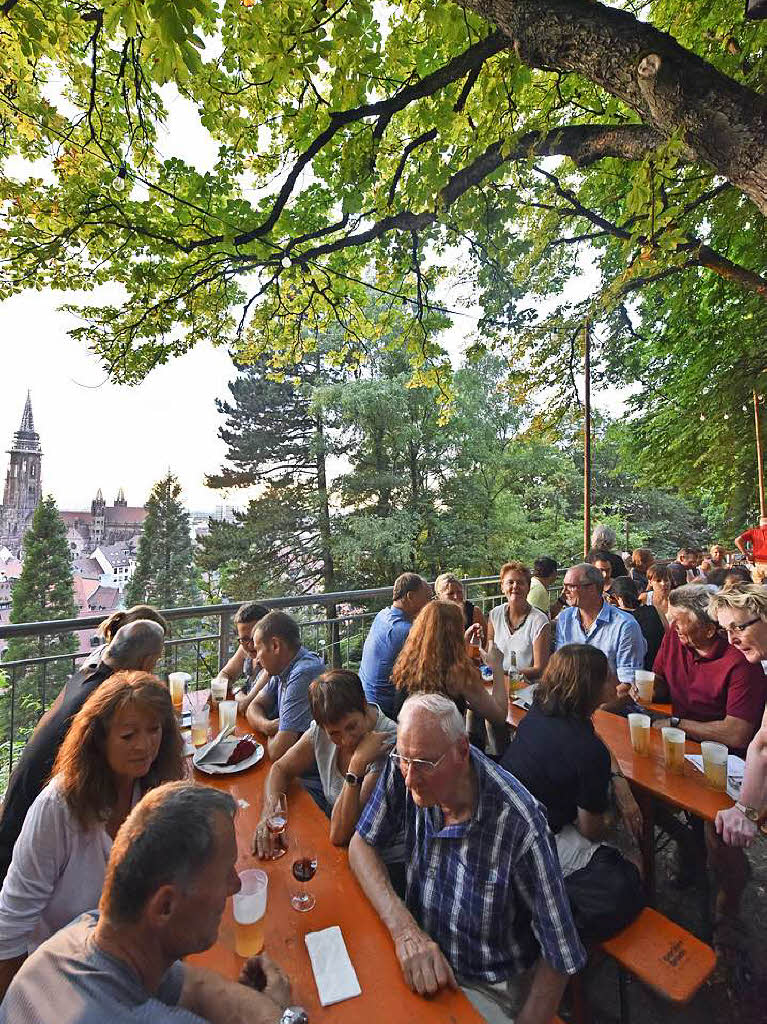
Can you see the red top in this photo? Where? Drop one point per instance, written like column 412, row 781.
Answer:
column 707, row 689
column 758, row 539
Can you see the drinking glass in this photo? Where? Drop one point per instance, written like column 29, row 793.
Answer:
column 715, row 764
column 673, row 749
column 249, row 905
column 645, row 683
column 304, row 869
column 227, row 714
column 277, row 823
column 639, row 727
column 218, row 690
column 177, row 685
column 200, row 718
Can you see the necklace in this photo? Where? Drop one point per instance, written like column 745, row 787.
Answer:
column 512, row 628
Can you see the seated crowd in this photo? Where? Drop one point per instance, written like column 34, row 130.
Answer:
column 492, row 864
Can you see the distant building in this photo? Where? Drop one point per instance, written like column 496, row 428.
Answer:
column 103, row 525
column 23, row 485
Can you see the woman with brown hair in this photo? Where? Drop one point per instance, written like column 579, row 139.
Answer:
column 434, row 660
column 124, row 741
column 557, row 756
column 661, row 584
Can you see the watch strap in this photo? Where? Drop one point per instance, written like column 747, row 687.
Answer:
column 352, row 779
column 748, row 812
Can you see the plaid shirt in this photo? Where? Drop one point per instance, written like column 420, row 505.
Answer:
column 489, row 891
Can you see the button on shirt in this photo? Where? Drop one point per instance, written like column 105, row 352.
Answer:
column 614, row 632
column 707, row 689
column 489, row 891
column 383, row 643
column 289, row 691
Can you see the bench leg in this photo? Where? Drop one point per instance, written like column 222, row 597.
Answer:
column 647, row 843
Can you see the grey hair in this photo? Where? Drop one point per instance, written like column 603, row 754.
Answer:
column 751, row 598
column 694, row 598
column 448, row 717
column 445, row 579
column 134, row 642
column 167, row 839
column 592, row 574
column 603, row 537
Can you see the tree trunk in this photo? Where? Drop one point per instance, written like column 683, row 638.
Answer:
column 722, row 122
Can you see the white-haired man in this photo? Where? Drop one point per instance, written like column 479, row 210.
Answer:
column 485, row 903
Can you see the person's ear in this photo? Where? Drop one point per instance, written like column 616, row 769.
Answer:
column 161, row 906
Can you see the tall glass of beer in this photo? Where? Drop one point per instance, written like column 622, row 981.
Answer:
column 673, row 749
column 249, row 911
column 639, row 727
column 715, row 764
column 645, row 684
column 177, row 684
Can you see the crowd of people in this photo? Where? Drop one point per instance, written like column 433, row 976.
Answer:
column 494, row 858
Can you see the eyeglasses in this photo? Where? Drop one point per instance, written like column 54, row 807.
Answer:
column 576, row 586
column 248, row 642
column 738, row 628
column 417, row 762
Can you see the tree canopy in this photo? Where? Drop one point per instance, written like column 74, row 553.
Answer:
column 521, row 147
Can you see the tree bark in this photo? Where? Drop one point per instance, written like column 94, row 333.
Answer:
column 721, row 121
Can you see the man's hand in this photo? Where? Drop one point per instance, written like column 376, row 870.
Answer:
column 262, row 974
column 371, row 748
column 423, row 963
column 265, row 845
column 660, row 723
column 628, row 807
column 735, row 828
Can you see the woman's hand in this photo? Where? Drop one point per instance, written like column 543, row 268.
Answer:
column 473, row 635
column 371, row 748
column 493, row 657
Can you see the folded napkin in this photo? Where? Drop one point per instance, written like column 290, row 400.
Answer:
column 333, row 971
column 524, row 697
column 736, row 767
column 219, row 750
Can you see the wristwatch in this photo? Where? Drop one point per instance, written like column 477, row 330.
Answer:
column 748, row 812
column 675, row 720
column 352, row 779
column 294, row 1015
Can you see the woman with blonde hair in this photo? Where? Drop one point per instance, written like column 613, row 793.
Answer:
column 522, row 632
column 124, row 741
column 434, row 660
column 447, row 587
column 107, row 629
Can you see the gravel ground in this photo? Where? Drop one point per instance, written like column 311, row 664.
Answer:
column 720, row 999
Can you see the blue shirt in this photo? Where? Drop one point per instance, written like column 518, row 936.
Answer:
column 383, row 643
column 489, row 890
column 289, row 691
column 616, row 633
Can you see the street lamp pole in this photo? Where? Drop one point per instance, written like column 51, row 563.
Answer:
column 587, row 442
column 759, row 457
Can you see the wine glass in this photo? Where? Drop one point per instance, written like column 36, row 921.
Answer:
column 277, row 822
column 304, row 869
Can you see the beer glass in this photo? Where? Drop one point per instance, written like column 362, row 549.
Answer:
column 218, row 690
column 227, row 713
column 177, row 685
column 249, row 912
column 639, row 727
column 673, row 749
column 715, row 764
column 644, row 683
column 200, row 719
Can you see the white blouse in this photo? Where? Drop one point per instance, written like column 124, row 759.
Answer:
column 520, row 640
column 57, row 872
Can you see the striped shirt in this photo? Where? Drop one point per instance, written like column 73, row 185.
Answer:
column 489, row 891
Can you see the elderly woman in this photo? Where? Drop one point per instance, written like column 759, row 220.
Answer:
column 742, row 613
column 347, row 743
column 575, row 787
column 447, row 587
column 522, row 633
column 123, row 741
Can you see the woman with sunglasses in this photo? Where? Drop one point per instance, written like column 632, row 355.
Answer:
column 742, row 613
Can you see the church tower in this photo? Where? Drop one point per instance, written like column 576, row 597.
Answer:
column 23, row 484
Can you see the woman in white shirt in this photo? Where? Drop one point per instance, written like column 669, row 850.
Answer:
column 123, row 741
column 517, row 628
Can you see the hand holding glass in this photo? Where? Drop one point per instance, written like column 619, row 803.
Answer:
column 276, row 824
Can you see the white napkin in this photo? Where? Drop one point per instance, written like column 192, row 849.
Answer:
column 219, row 750
column 524, row 697
column 333, row 972
column 736, row 766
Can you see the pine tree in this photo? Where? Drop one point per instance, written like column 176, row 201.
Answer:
column 165, row 574
column 42, row 592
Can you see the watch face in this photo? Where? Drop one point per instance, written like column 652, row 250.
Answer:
column 352, row 779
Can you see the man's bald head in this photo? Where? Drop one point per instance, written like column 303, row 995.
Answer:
column 137, row 645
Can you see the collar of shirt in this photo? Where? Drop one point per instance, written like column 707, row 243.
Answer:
column 282, row 677
column 719, row 648
column 605, row 615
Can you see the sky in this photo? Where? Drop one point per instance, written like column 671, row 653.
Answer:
column 96, row 434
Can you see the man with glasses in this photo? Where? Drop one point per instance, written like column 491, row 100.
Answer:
column 485, row 905
column 242, row 661
column 590, row 619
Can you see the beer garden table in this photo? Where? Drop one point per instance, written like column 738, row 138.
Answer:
column 339, row 901
column 649, row 779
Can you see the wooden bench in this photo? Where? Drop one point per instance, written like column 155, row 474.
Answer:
column 667, row 958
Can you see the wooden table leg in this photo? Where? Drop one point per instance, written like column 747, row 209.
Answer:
column 647, row 842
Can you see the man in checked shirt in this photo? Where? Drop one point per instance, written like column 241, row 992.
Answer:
column 485, row 905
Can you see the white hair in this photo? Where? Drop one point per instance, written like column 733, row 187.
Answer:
column 603, row 537
column 440, row 707
column 694, row 598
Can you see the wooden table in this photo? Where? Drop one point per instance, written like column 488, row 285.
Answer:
column 340, row 901
column 649, row 779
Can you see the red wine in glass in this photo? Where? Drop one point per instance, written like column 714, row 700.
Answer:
column 304, row 869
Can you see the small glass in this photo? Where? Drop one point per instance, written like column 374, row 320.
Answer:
column 218, row 690
column 715, row 764
column 673, row 749
column 277, row 823
column 227, row 714
column 639, row 727
column 200, row 720
column 249, row 905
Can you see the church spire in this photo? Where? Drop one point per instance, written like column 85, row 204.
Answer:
column 27, row 423
column 26, row 439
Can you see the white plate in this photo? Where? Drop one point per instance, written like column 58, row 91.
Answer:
column 230, row 769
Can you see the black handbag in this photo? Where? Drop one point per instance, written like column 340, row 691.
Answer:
column 605, row 896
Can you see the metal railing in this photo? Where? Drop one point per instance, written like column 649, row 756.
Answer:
column 32, row 683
